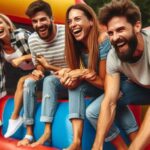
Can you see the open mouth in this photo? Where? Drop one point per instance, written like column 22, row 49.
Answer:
column 77, row 31
column 1, row 31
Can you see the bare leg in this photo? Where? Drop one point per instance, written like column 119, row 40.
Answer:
column 45, row 137
column 18, row 97
column 77, row 125
column 143, row 137
column 25, row 141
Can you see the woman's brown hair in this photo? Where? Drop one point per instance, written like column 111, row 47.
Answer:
column 73, row 47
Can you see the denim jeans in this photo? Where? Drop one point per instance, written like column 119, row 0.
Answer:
column 51, row 87
column 77, row 99
column 123, row 115
column 29, row 100
column 132, row 94
column 52, row 90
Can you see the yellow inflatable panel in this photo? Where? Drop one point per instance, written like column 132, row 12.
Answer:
column 15, row 9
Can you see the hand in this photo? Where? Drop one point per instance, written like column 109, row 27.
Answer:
column 42, row 61
column 69, row 82
column 89, row 75
column 61, row 72
column 38, row 74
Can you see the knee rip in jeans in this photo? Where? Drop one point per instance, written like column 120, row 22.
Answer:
column 47, row 97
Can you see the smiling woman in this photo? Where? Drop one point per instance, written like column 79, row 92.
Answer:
column 11, row 7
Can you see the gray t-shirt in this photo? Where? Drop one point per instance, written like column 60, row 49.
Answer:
column 138, row 72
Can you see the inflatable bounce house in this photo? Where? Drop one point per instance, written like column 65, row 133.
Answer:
column 61, row 127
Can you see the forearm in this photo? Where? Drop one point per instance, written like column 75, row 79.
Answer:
column 26, row 57
column 53, row 68
column 105, row 121
column 97, row 82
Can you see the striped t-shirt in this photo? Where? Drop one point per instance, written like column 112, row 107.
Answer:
column 52, row 50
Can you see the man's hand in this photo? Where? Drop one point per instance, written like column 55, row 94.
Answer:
column 37, row 74
column 42, row 61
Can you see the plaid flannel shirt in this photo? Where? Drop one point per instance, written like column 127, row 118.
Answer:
column 19, row 41
column 2, row 79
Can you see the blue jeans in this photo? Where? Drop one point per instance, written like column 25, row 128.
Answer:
column 132, row 94
column 51, row 86
column 77, row 99
column 123, row 115
column 51, row 89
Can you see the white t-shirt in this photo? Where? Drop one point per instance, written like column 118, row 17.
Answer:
column 138, row 72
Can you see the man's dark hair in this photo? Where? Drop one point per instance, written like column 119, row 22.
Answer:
column 122, row 8
column 37, row 6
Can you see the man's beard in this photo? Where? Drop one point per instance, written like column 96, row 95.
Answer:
column 50, row 30
column 128, row 56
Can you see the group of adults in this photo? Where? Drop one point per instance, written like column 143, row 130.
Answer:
column 77, row 60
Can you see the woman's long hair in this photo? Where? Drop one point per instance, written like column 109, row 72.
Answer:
column 73, row 47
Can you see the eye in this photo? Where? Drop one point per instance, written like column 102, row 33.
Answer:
column 110, row 33
column 69, row 21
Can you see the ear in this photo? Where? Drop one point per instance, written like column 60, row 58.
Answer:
column 137, row 27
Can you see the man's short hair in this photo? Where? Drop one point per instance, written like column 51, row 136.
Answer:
column 38, row 5
column 120, row 8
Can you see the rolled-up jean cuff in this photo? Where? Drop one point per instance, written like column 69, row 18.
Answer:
column 132, row 130
column 46, row 119
column 28, row 121
column 113, row 136
column 75, row 115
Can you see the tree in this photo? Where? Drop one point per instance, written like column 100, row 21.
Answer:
column 144, row 6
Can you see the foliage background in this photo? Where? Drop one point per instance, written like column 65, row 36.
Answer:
column 144, row 6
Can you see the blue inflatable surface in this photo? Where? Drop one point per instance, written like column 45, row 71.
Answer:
column 61, row 127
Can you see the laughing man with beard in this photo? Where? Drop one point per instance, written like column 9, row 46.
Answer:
column 130, row 56
column 47, row 49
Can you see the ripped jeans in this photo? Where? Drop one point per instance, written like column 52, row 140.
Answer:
column 51, row 88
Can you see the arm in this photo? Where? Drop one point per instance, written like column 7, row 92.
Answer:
column 99, row 78
column 143, row 137
column 17, row 61
column 107, row 112
column 42, row 61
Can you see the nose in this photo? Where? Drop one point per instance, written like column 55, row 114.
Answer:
column 115, row 36
column 72, row 24
column 39, row 24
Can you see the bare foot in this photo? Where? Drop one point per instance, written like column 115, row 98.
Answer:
column 45, row 137
column 24, row 142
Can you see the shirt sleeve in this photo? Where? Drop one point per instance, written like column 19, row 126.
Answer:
column 112, row 62
column 104, row 48
column 20, row 40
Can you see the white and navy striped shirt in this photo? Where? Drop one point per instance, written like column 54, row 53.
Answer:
column 52, row 50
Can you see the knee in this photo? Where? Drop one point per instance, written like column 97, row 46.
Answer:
column 29, row 83
column 89, row 113
column 50, row 80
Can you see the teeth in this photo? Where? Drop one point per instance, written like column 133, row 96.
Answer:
column 1, row 31
column 120, row 44
column 76, row 31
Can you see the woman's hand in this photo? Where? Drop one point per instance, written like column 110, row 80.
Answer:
column 89, row 75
